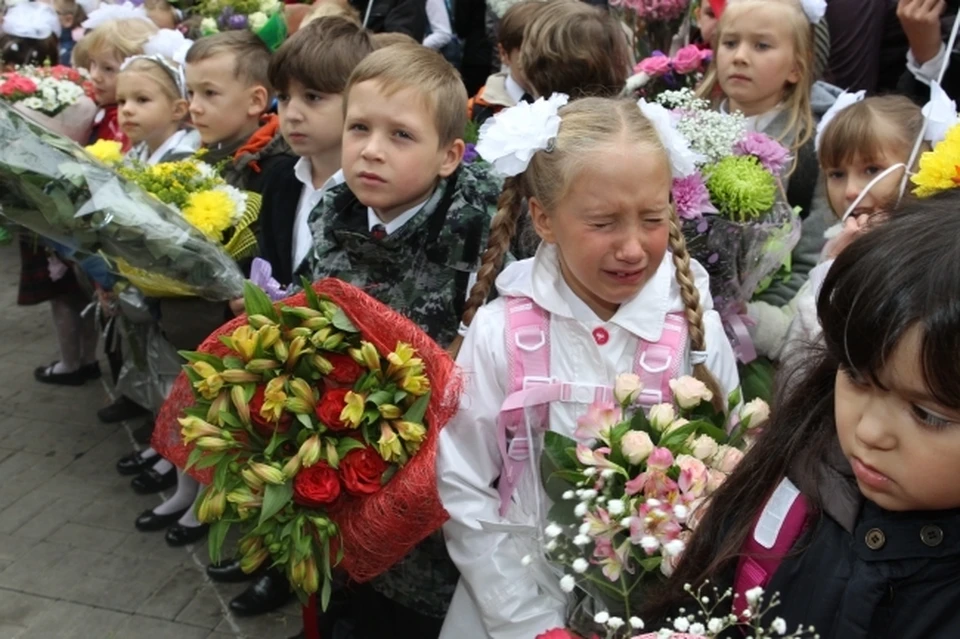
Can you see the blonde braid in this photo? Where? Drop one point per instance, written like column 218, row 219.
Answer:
column 502, row 230
column 693, row 310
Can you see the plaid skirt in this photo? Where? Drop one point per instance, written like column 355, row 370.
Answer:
column 36, row 287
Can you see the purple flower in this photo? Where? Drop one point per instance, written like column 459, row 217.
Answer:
column 772, row 155
column 237, row 21
column 470, row 153
column 691, row 197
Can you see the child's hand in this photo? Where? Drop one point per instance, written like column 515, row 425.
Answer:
column 852, row 229
column 921, row 24
column 237, row 306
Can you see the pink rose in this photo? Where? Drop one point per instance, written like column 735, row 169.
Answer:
column 688, row 59
column 693, row 476
column 655, row 65
column 726, row 459
column 715, row 479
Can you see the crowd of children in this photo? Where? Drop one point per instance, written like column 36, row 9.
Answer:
column 355, row 142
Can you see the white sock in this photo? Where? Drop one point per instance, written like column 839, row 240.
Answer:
column 148, row 453
column 189, row 519
column 187, row 488
column 60, row 368
column 163, row 466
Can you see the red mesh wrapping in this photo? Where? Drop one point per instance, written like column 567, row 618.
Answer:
column 380, row 529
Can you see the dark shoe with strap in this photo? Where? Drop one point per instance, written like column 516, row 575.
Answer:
column 121, row 410
column 150, row 481
column 149, row 521
column 228, row 572
column 266, row 594
column 135, row 463
column 91, row 371
column 45, row 375
column 180, row 535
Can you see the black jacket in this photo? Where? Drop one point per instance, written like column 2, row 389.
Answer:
column 395, row 16
column 278, row 213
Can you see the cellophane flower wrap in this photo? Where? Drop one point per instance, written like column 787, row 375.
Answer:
column 54, row 188
column 733, row 209
column 222, row 213
column 58, row 97
column 627, row 491
column 660, row 72
column 314, row 421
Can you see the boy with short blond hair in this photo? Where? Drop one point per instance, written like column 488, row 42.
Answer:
column 408, row 226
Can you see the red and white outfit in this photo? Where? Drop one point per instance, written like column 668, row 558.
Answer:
column 499, row 597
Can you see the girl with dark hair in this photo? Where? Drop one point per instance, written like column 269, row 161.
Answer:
column 865, row 446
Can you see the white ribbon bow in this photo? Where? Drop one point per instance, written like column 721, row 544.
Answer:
column 509, row 139
column 940, row 113
column 844, row 100
column 683, row 160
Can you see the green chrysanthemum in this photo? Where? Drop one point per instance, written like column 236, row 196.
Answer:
column 741, row 188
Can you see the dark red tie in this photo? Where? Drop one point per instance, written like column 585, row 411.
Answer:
column 378, row 232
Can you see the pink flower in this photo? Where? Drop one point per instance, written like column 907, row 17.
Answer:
column 715, row 479
column 601, row 526
column 654, row 526
column 596, row 424
column 693, row 476
column 660, row 459
column 654, row 66
column 687, row 59
column 598, row 457
column 726, row 459
column 691, row 197
column 772, row 155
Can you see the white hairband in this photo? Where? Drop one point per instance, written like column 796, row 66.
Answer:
column 31, row 20
column 510, row 138
column 174, row 71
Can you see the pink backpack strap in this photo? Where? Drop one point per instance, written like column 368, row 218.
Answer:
column 779, row 526
column 656, row 363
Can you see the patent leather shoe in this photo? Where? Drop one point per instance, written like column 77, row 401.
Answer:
column 269, row 592
column 150, row 481
column 228, row 572
column 135, row 463
column 180, row 535
column 149, row 521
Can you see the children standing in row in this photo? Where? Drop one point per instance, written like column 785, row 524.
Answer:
column 611, row 278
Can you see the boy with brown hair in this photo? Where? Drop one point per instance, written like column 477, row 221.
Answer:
column 508, row 87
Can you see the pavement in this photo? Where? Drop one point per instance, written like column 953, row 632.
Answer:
column 72, row 565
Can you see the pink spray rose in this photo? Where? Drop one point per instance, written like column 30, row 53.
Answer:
column 654, row 66
column 687, row 59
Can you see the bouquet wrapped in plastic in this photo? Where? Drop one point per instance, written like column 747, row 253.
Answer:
column 56, row 97
column 319, row 417
column 52, row 187
column 733, row 208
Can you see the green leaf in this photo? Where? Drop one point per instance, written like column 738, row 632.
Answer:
column 275, row 497
column 554, row 462
column 193, row 356
column 256, row 302
column 558, row 449
column 305, row 420
column 716, row 434
column 674, row 438
column 562, row 513
column 380, row 397
column 418, row 410
column 194, row 457
column 325, row 564
column 325, row 592
column 371, row 416
column 275, row 441
column 734, row 398
column 346, row 444
column 312, row 300
column 210, row 460
column 233, row 362
column 342, row 322
column 198, row 411
column 218, row 532
column 399, row 396
column 248, row 392
column 220, row 476
column 227, row 418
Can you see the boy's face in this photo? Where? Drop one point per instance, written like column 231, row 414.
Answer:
column 511, row 60
column 310, row 121
column 104, row 67
column 222, row 106
column 65, row 12
column 392, row 157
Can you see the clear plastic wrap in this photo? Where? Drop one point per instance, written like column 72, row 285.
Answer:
column 51, row 186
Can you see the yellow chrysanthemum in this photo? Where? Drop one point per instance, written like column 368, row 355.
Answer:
column 211, row 212
column 940, row 168
column 107, row 151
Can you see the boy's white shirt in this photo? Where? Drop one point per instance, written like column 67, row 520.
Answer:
column 929, row 70
column 440, row 30
column 183, row 141
column 497, row 596
column 309, row 198
column 514, row 90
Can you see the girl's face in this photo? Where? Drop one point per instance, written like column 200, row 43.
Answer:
column 845, row 183
column 104, row 67
column 611, row 226
column 707, row 21
column 65, row 11
column 756, row 60
column 903, row 445
column 146, row 113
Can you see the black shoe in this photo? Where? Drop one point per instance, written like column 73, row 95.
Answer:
column 150, row 481
column 45, row 375
column 149, row 521
column 135, row 463
column 180, row 535
column 121, row 410
column 228, row 572
column 143, row 434
column 266, row 594
column 91, row 371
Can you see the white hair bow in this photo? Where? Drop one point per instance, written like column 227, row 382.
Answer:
column 32, row 20
column 683, row 160
column 169, row 43
column 107, row 12
column 509, row 140
column 844, row 100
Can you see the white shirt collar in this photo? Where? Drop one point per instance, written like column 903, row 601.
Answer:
column 143, row 154
column 394, row 225
column 756, row 123
column 309, row 198
column 514, row 90
column 303, row 170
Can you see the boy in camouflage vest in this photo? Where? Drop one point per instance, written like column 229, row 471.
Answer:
column 408, row 226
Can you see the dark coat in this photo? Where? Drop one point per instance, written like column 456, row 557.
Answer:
column 395, row 16
column 278, row 213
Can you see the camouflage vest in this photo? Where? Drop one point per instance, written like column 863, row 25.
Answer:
column 422, row 269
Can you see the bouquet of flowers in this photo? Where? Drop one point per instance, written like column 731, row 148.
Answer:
column 733, row 209
column 224, row 214
column 625, row 504
column 940, row 167
column 660, row 72
column 52, row 187
column 319, row 419
column 234, row 15
column 654, row 23
column 57, row 97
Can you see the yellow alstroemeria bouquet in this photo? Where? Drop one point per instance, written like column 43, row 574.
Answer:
column 939, row 168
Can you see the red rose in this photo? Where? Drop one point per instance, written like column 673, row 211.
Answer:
column 361, row 470
column 265, row 426
column 330, row 407
column 557, row 633
column 316, row 486
column 345, row 370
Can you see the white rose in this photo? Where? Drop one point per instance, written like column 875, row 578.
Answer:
column 661, row 416
column 690, row 392
column 677, row 423
column 636, row 446
column 627, row 388
column 269, row 6
column 208, row 26
column 704, row 447
column 257, row 20
column 755, row 413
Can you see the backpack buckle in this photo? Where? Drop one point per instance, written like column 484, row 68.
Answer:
column 534, row 380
